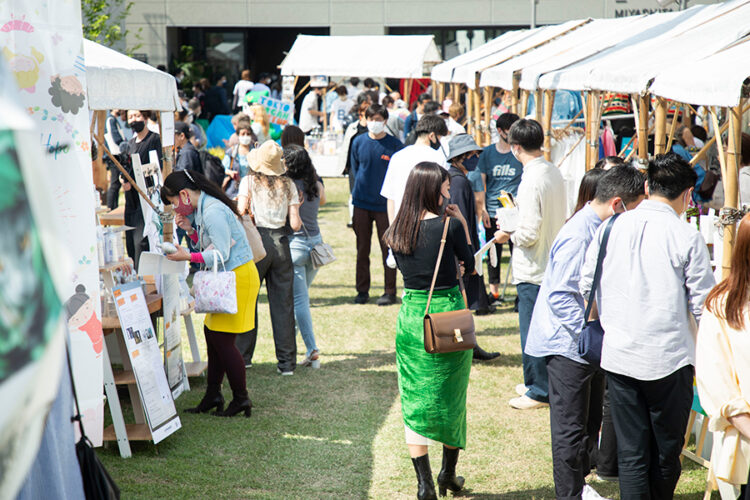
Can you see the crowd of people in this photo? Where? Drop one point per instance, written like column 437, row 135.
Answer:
column 433, row 195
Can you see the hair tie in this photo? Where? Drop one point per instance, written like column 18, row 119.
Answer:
column 189, row 176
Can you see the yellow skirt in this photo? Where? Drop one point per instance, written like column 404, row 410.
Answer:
column 248, row 286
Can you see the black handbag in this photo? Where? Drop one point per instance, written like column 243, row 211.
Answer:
column 592, row 336
column 97, row 483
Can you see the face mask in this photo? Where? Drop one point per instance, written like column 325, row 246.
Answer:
column 376, row 127
column 183, row 209
column 245, row 140
column 504, row 137
column 435, row 145
column 138, row 126
column 471, row 163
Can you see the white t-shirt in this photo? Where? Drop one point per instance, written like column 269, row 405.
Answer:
column 269, row 207
column 400, row 167
column 339, row 110
column 307, row 122
column 241, row 88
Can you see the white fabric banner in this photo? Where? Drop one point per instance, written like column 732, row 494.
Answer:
column 42, row 45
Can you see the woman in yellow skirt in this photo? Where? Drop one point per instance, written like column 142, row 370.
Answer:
column 199, row 201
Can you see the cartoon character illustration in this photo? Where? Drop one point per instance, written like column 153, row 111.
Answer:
column 17, row 25
column 25, row 68
column 29, row 306
column 67, row 93
column 82, row 316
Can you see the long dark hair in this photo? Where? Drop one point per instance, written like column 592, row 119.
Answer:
column 728, row 299
column 587, row 189
column 422, row 195
column 177, row 181
column 299, row 166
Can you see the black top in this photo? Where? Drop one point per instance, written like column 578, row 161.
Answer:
column 462, row 195
column 151, row 142
column 418, row 267
column 188, row 159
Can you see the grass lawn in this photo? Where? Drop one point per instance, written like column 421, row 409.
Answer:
column 337, row 433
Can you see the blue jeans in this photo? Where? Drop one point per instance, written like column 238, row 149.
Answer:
column 534, row 369
column 304, row 274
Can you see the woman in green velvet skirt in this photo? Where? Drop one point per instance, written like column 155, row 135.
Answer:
column 433, row 386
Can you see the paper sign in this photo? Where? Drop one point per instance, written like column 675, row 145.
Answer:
column 507, row 219
column 279, row 112
column 478, row 257
column 167, row 129
column 155, row 264
column 145, row 357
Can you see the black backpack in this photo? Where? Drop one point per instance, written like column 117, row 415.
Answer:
column 212, row 167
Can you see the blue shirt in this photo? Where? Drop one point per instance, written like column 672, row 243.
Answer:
column 369, row 164
column 503, row 173
column 475, row 178
column 558, row 314
column 220, row 227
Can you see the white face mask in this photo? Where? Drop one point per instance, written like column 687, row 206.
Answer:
column 376, row 127
column 513, row 152
column 245, row 140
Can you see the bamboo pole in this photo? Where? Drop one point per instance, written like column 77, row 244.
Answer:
column 514, row 94
column 127, row 176
column 441, row 92
column 323, row 107
column 434, row 90
column 455, row 93
column 673, row 127
column 593, row 128
column 660, row 126
column 573, row 120
column 488, row 93
column 587, row 127
column 539, row 105
column 642, row 128
column 470, row 112
column 700, row 154
column 730, row 183
column 477, row 112
column 524, row 103
column 100, row 172
column 559, row 164
column 722, row 158
column 549, row 101
column 302, row 90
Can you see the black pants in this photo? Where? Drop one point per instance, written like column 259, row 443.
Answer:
column 493, row 272
column 278, row 271
column 650, row 419
column 606, row 457
column 362, row 221
column 113, row 191
column 224, row 358
column 576, row 392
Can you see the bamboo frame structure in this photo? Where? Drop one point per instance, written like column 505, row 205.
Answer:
column 488, row 93
column 678, row 109
column 700, row 154
column 660, row 126
column 538, row 94
column 549, row 102
column 477, row 113
column 524, row 103
column 643, row 103
column 514, row 95
column 470, row 112
column 731, row 191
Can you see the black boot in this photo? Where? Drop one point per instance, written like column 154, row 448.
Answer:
column 482, row 355
column 239, row 403
column 212, row 399
column 447, row 479
column 426, row 487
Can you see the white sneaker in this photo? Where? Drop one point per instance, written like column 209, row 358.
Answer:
column 278, row 370
column 590, row 493
column 526, row 403
column 521, row 389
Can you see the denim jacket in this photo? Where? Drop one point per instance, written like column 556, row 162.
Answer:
column 218, row 226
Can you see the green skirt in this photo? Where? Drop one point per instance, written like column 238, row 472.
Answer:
column 432, row 386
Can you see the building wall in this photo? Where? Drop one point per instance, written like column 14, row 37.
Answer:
column 150, row 18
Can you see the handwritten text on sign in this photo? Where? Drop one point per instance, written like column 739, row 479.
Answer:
column 279, row 112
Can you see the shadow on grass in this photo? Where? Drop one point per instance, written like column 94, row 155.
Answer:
column 499, row 332
column 535, row 494
column 304, row 430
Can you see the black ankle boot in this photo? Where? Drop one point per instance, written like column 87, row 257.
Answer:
column 426, row 488
column 447, row 479
column 239, row 403
column 212, row 399
column 482, row 355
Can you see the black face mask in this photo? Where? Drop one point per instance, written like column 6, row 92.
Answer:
column 138, row 126
column 471, row 163
column 435, row 145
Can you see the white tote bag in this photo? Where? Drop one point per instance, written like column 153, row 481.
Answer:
column 215, row 292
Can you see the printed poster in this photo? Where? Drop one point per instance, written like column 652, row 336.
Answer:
column 174, row 364
column 41, row 42
column 145, row 358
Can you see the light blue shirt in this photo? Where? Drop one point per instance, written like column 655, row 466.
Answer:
column 558, row 314
column 220, row 227
column 655, row 278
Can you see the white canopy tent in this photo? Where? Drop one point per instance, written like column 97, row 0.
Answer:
column 386, row 56
column 537, row 37
column 443, row 72
column 629, row 66
column 715, row 80
column 116, row 81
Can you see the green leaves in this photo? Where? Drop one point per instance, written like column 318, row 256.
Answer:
column 103, row 22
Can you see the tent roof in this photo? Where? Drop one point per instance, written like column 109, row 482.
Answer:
column 629, row 66
column 444, row 71
column 715, row 80
column 599, row 29
column 539, row 36
column 116, row 81
column 386, row 56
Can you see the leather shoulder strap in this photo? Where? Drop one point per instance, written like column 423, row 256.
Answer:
column 599, row 261
column 437, row 264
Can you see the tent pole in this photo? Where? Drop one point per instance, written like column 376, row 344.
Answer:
column 700, row 154
column 488, row 93
column 441, row 92
column 456, row 92
column 678, row 108
column 593, row 132
column 731, row 180
column 434, row 90
column 514, row 95
column 524, row 103
column 642, row 128
column 539, row 105
column 660, row 126
column 325, row 115
column 477, row 112
column 549, row 100
column 100, row 172
column 470, row 112
column 302, row 91
column 127, row 176
column 586, row 125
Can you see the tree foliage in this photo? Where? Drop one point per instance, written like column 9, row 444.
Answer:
column 103, row 22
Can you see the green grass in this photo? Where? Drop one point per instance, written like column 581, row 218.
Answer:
column 336, row 433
